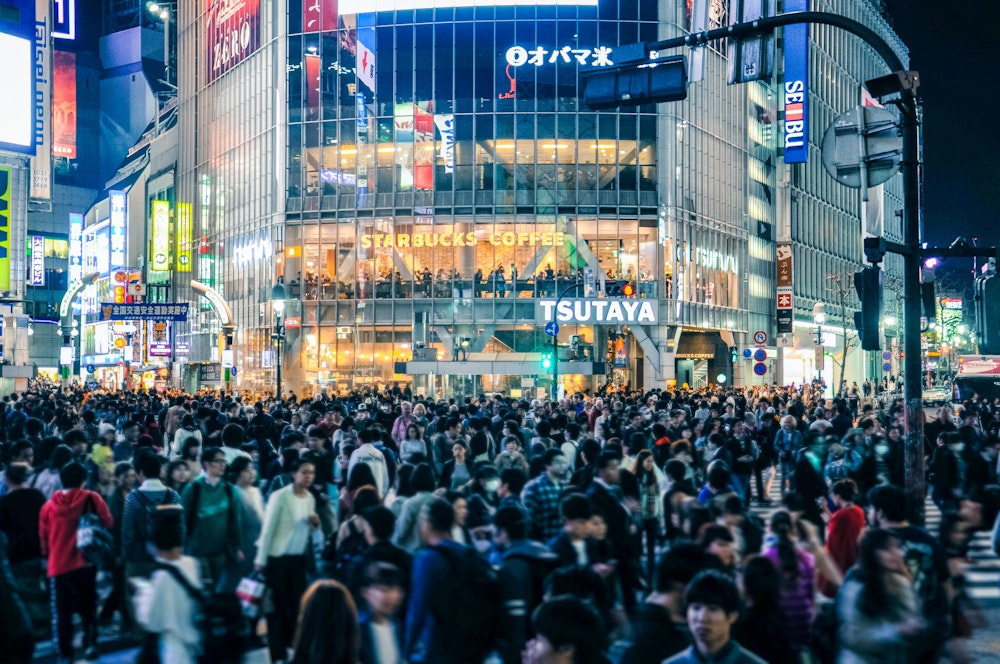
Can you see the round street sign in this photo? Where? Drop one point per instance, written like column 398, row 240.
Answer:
column 760, row 355
column 551, row 328
column 886, row 355
column 886, row 367
column 760, row 337
column 90, row 368
column 747, row 353
column 760, row 368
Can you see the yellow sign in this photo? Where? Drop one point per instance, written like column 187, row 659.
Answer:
column 5, row 187
column 161, row 236
column 182, row 245
column 119, row 343
column 431, row 240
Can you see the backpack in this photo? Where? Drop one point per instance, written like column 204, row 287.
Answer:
column 219, row 619
column 148, row 526
column 92, row 538
column 474, row 606
column 351, row 548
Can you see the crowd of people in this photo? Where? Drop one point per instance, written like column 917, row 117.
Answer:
column 383, row 528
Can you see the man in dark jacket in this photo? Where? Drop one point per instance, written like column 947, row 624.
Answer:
column 608, row 501
column 523, row 568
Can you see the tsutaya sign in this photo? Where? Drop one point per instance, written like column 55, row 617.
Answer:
column 589, row 312
column 461, row 239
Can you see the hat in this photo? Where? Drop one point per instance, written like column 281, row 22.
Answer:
column 105, row 427
column 770, row 410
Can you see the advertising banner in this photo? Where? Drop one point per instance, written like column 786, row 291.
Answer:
column 312, row 86
column 75, row 246
column 784, row 283
column 365, row 59
column 41, row 163
column 6, row 185
column 158, row 338
column 17, row 79
column 446, row 125
column 423, row 153
column 119, row 220
column 232, row 34
column 164, row 311
column 182, row 245
column 319, row 15
column 795, row 92
column 160, row 259
column 64, row 105
column 37, row 260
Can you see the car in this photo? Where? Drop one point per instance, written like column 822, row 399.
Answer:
column 937, row 395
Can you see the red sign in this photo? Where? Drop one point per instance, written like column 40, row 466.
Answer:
column 232, row 34
column 784, row 300
column 64, row 104
column 293, row 323
column 312, row 85
column 319, row 15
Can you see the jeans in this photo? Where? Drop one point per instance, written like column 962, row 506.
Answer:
column 74, row 592
column 787, row 475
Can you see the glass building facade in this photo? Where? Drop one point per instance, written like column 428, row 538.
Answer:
column 420, row 180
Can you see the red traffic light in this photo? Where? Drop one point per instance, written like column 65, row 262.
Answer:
column 628, row 290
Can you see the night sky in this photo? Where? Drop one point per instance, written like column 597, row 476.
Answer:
column 954, row 46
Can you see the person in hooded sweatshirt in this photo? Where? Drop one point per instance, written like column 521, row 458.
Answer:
column 73, row 578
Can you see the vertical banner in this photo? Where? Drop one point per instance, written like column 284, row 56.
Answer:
column 161, row 236
column 446, row 125
column 784, row 282
column 795, row 93
column 182, row 244
column 41, row 163
column 312, row 86
column 362, row 182
column 75, row 246
column 232, row 34
column 119, row 221
column 64, row 105
column 37, row 260
column 319, row 15
column 365, row 58
column 872, row 210
column 423, row 149
column 6, row 184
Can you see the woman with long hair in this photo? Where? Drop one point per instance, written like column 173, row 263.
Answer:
column 877, row 607
column 797, row 570
column 650, row 481
column 243, row 476
column 401, row 490
column 178, row 475
column 328, row 631
column 407, row 533
column 413, row 449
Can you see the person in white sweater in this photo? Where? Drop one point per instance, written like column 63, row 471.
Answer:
column 289, row 520
column 373, row 457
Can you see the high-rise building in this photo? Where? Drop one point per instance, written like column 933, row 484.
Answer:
column 424, row 183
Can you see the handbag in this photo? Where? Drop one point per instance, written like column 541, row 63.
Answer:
column 251, row 592
column 92, row 539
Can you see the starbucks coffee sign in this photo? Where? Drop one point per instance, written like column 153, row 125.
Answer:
column 597, row 312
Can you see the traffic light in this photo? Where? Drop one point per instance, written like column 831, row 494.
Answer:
column 929, row 301
column 628, row 290
column 868, row 283
column 987, row 290
column 547, row 360
column 646, row 84
column 734, row 354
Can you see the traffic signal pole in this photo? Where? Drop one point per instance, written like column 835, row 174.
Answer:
column 905, row 84
column 555, row 341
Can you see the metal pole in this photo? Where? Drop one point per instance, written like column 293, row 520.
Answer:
column 916, row 489
column 555, row 367
column 277, row 354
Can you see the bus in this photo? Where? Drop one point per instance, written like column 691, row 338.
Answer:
column 977, row 374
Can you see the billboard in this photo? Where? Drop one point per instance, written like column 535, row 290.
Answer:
column 119, row 220
column 41, row 163
column 349, row 7
column 795, row 93
column 232, row 34
column 75, row 246
column 102, row 251
column 64, row 105
column 182, row 245
column 786, row 312
column 6, row 184
column 17, row 78
column 37, row 260
column 160, row 259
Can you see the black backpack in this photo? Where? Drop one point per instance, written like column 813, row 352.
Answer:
column 474, row 605
column 148, row 524
column 224, row 630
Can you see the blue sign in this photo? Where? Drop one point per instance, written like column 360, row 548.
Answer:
column 760, row 355
column 552, row 328
column 886, row 355
column 887, row 367
column 795, row 93
column 164, row 311
column 90, row 368
column 747, row 353
column 760, row 368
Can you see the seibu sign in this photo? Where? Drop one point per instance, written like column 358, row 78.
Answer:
column 590, row 312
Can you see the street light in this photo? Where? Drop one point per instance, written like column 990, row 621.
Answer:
column 278, row 305
column 162, row 12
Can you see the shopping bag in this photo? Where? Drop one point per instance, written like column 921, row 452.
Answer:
column 250, row 592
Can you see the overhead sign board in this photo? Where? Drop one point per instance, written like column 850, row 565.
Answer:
column 163, row 311
column 795, row 89
column 597, row 312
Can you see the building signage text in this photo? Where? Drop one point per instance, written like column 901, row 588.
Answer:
column 518, row 56
column 589, row 312
column 430, row 240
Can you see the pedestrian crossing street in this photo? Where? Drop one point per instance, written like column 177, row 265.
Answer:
column 982, row 576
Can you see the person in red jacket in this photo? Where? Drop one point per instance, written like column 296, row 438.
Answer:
column 74, row 579
column 844, row 529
